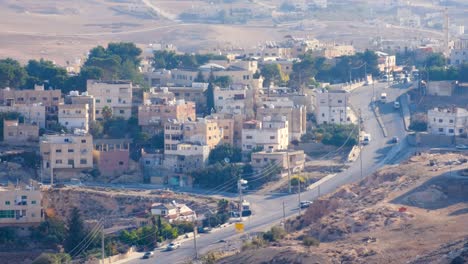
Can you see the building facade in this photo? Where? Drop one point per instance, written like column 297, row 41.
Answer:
column 295, row 115
column 74, row 116
column 158, row 114
column 265, row 159
column 33, row 114
column 448, row 122
column 112, row 156
column 19, row 133
column 269, row 134
column 117, row 95
column 459, row 53
column 20, row 207
column 66, row 151
column 332, row 107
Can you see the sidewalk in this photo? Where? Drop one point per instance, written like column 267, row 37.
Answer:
column 404, row 102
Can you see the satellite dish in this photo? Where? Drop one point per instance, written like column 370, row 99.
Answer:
column 227, row 160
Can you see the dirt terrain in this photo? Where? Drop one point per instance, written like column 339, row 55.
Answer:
column 64, row 31
column 407, row 213
column 121, row 206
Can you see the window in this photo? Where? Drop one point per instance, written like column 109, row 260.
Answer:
column 71, row 150
column 58, row 161
column 121, row 163
column 71, row 162
column 440, row 120
column 248, row 137
column 451, row 121
column 83, row 141
column 33, row 202
column 122, row 111
column 441, row 130
column 58, row 151
column 323, row 115
column 7, row 213
column 7, row 202
column 451, row 130
column 98, row 101
column 249, row 146
column 109, row 100
column 226, row 137
column 340, row 101
column 272, row 137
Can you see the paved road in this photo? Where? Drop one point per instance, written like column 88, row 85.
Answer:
column 268, row 209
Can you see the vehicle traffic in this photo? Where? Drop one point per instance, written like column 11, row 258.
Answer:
column 148, row 255
column 366, row 138
column 305, row 204
column 173, row 246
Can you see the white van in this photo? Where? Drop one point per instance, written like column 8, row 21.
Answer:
column 366, row 138
column 383, row 97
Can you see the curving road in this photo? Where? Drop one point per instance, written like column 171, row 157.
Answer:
column 268, row 209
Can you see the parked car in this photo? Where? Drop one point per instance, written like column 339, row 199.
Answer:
column 305, row 204
column 148, row 255
column 395, row 139
column 396, row 105
column 366, row 139
column 461, row 147
column 173, row 246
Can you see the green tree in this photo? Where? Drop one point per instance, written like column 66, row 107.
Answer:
column 76, row 231
column 47, row 73
column 12, row 74
column 106, row 113
column 463, row 73
column 199, row 78
column 222, row 81
column 435, row 60
column 274, row 234
column 337, row 135
column 221, row 152
column 209, row 93
column 96, row 129
column 51, row 231
column 295, row 180
column 272, row 74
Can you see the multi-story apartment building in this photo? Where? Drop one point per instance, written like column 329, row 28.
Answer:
column 236, row 100
column 33, row 114
column 265, row 159
column 74, row 116
column 187, row 158
column 65, row 152
column 115, row 94
column 331, row 51
column 20, row 207
column 81, row 99
column 112, row 156
column 48, row 98
column 296, row 115
column 386, row 62
column 459, row 53
column 203, row 131
column 332, row 107
column 269, row 134
column 232, row 127
column 449, row 122
column 19, row 133
column 156, row 114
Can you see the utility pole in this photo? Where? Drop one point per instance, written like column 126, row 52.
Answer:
column 195, row 239
column 289, row 172
column 102, row 245
column 284, row 214
column 299, row 196
column 359, row 141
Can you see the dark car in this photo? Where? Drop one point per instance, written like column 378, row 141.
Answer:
column 395, row 140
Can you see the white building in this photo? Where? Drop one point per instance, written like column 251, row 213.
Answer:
column 269, row 134
column 74, row 116
column 115, row 94
column 449, row 122
column 459, row 53
column 332, row 107
column 233, row 100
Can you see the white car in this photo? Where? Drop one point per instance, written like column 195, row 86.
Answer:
column 173, row 246
column 461, row 147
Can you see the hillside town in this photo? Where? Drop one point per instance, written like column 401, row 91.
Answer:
column 295, row 149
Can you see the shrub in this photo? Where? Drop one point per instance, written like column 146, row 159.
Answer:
column 309, row 241
column 276, row 233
